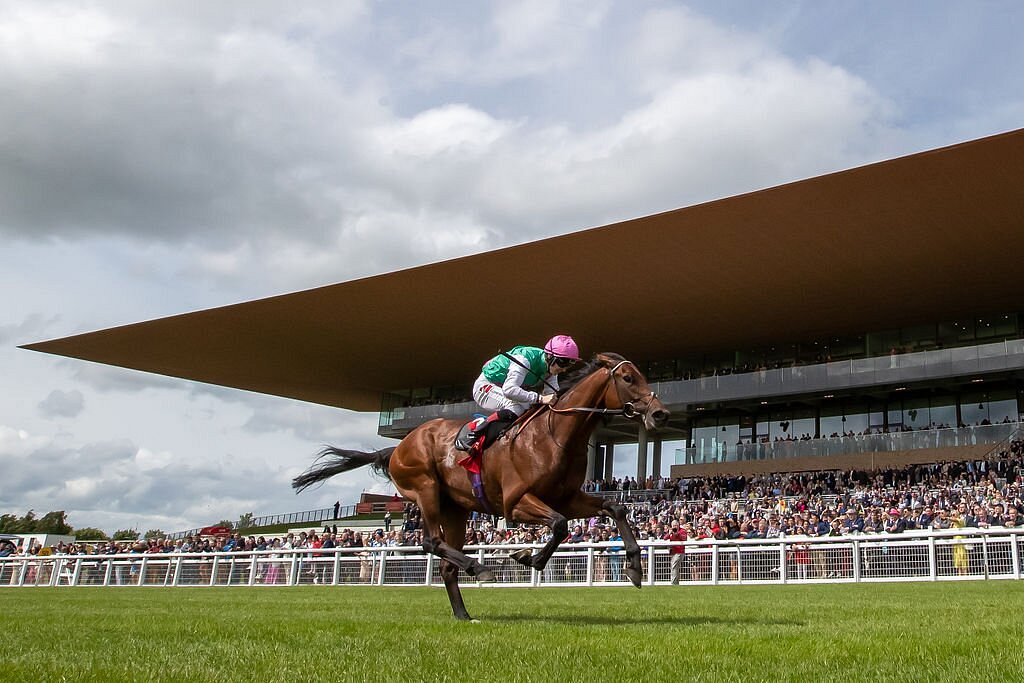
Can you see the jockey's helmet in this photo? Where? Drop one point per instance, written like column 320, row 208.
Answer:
column 562, row 346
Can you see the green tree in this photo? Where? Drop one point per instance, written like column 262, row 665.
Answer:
column 225, row 522
column 21, row 525
column 88, row 533
column 126, row 535
column 154, row 533
column 245, row 521
column 53, row 523
column 7, row 523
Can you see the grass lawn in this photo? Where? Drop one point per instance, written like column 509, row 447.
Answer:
column 964, row 631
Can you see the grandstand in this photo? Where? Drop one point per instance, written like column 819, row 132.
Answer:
column 852, row 320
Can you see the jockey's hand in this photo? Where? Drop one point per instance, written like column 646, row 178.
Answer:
column 548, row 399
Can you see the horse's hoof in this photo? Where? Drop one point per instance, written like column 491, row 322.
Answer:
column 474, row 621
column 635, row 577
column 522, row 556
column 485, row 576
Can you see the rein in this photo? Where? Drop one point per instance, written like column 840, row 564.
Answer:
column 628, row 410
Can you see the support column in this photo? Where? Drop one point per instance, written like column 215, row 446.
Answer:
column 641, row 457
column 609, row 460
column 591, row 457
column 656, row 458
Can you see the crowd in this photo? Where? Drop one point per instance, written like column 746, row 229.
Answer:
column 984, row 493
column 978, row 494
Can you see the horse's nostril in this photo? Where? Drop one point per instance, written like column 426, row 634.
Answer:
column 660, row 416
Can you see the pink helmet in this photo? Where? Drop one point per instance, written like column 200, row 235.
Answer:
column 563, row 346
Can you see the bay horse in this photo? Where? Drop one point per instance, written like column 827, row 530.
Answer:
column 533, row 474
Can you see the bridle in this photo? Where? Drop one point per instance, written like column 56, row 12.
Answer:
column 628, row 410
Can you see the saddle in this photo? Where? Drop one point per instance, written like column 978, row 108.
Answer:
column 475, row 436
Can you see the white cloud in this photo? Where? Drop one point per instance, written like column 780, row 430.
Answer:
column 62, row 403
column 18, row 443
column 156, row 159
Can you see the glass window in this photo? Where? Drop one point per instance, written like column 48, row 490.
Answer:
column 624, row 457
column 778, row 426
column 1006, row 325
column 915, row 413
column 919, row 337
column 856, row 423
column 658, row 371
column 943, row 412
column 881, row 343
column 949, row 333
column 895, row 417
column 965, row 331
column 1002, row 406
column 973, row 408
column 848, row 347
column 1003, row 410
column 986, row 329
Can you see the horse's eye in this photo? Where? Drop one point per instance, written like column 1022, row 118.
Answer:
column 628, row 379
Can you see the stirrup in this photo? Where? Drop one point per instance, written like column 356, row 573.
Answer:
column 467, row 435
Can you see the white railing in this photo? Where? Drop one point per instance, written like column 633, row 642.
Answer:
column 954, row 554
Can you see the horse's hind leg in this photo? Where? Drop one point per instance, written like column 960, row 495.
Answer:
column 434, row 543
column 438, row 527
column 453, row 526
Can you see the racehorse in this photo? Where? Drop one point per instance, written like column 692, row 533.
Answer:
column 533, row 474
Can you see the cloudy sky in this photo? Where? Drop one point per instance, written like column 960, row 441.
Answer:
column 162, row 157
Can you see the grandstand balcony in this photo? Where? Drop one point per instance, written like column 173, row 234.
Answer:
column 858, row 373
column 886, row 407
column 954, row 444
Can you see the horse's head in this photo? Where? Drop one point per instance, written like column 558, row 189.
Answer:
column 625, row 388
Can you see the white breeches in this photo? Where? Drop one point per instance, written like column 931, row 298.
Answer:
column 490, row 398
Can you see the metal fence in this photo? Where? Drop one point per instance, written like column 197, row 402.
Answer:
column 956, row 554
column 719, row 451
column 303, row 517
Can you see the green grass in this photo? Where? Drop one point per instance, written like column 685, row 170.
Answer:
column 968, row 631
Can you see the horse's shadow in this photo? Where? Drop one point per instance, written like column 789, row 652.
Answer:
column 624, row 620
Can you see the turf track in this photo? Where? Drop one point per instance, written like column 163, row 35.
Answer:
column 968, row 631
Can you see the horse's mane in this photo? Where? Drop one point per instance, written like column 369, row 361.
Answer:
column 570, row 378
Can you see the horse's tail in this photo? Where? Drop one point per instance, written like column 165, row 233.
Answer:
column 331, row 461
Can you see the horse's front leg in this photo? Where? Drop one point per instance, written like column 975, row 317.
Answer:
column 634, row 569
column 583, row 505
column 532, row 510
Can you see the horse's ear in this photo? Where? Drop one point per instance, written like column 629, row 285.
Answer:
column 607, row 359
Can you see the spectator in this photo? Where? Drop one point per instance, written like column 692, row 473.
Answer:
column 677, row 536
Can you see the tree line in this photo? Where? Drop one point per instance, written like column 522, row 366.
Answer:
column 56, row 522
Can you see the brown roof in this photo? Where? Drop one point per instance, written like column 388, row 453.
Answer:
column 916, row 239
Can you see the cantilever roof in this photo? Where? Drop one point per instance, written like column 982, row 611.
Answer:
column 915, row 239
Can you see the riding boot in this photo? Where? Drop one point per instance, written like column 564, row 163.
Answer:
column 474, row 432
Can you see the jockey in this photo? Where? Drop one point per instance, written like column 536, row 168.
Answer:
column 510, row 383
